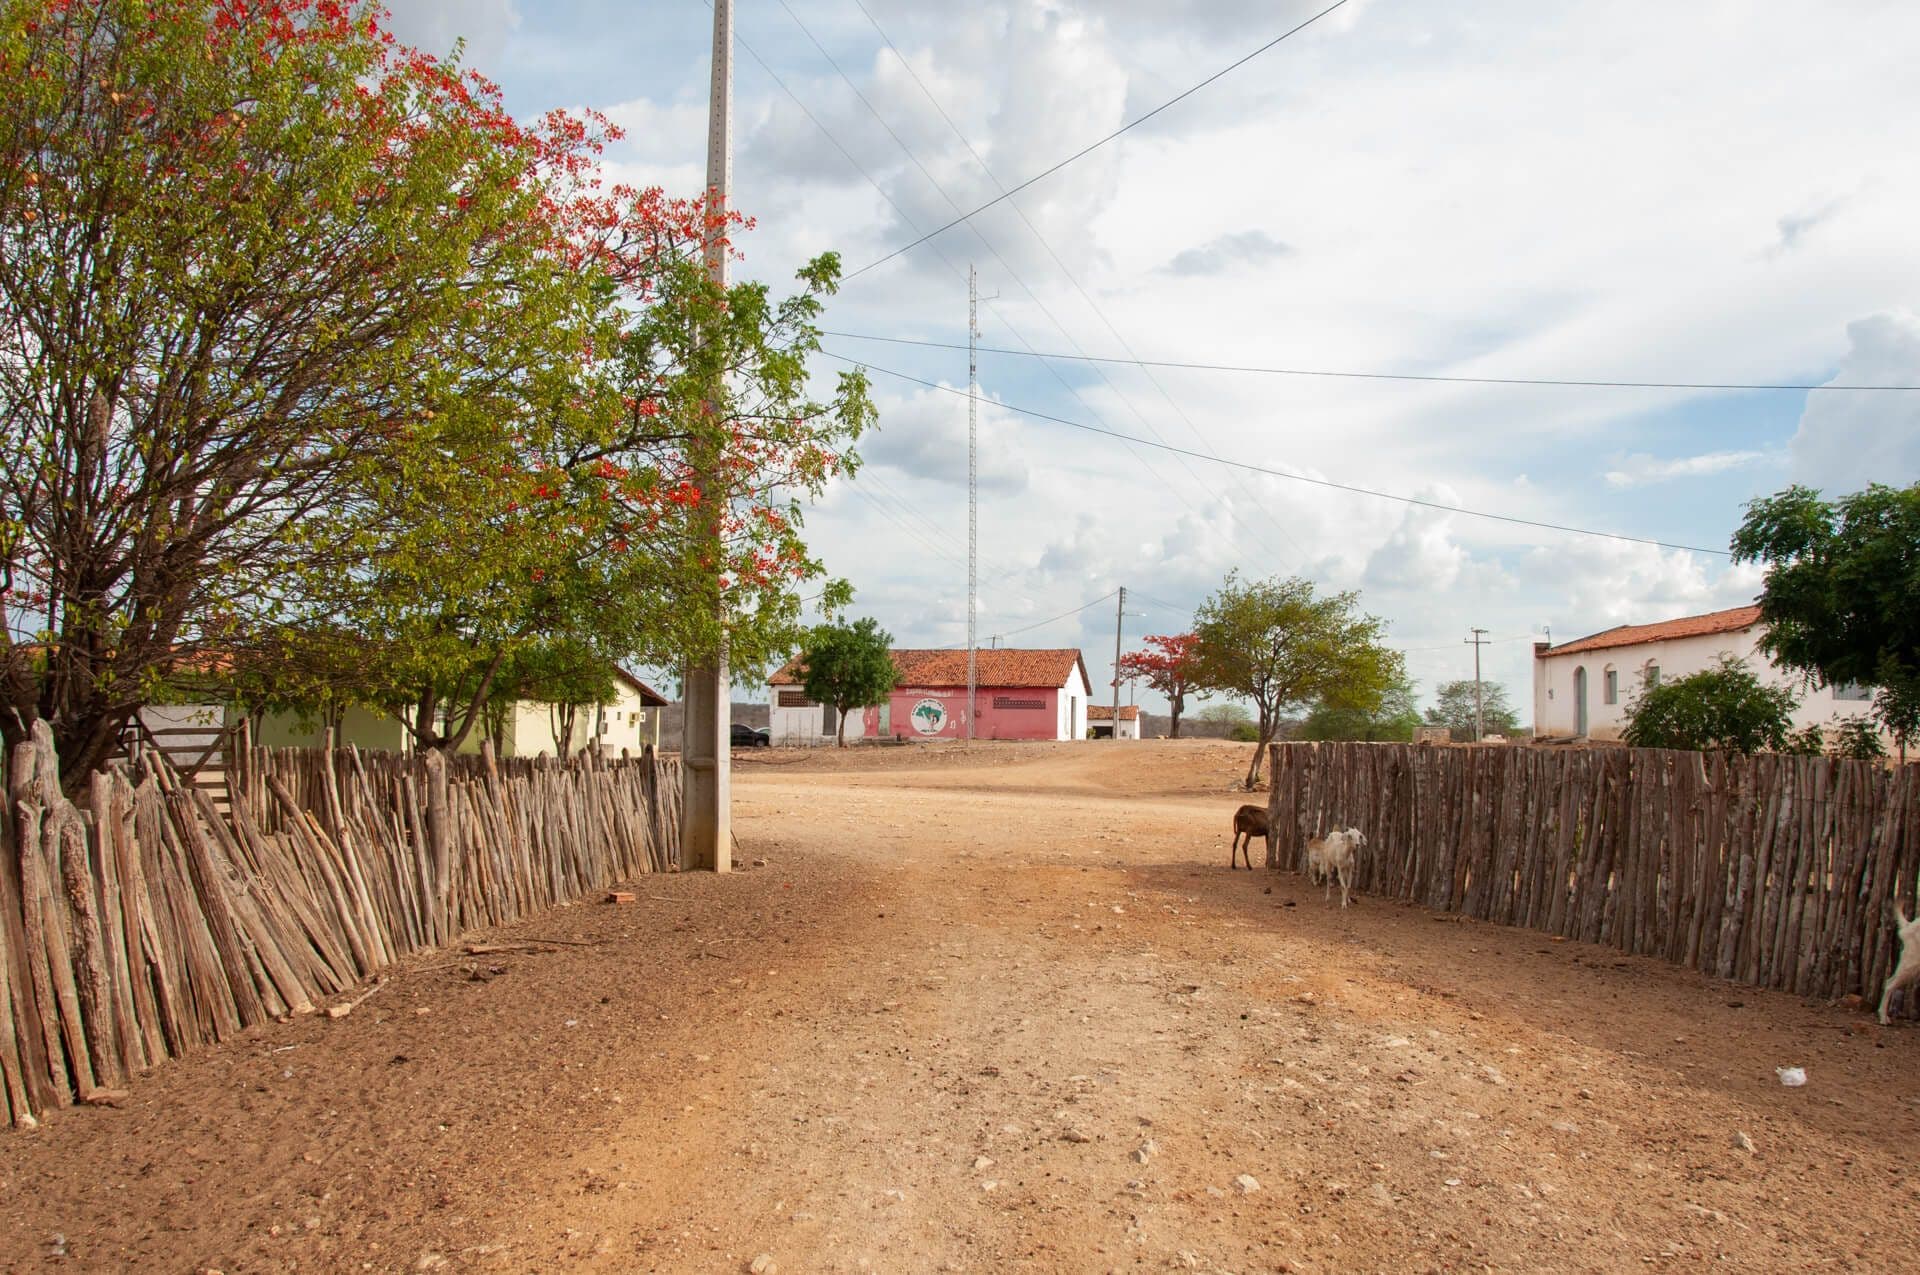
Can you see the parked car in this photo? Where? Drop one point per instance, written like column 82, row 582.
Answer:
column 744, row 736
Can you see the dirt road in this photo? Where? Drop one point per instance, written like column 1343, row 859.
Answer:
column 1001, row 1011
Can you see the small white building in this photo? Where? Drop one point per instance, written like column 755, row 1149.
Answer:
column 1100, row 721
column 630, row 722
column 1581, row 689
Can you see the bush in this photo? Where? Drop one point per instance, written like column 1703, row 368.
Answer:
column 1244, row 733
column 1724, row 707
column 1858, row 738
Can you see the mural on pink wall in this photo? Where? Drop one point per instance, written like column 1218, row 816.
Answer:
column 938, row 712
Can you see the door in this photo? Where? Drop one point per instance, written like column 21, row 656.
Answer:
column 1580, row 701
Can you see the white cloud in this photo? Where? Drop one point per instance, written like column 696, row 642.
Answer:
column 924, row 435
column 1848, row 439
column 1639, row 469
column 1422, row 553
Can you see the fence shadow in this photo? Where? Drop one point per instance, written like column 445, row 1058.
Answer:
column 1770, row 870
column 144, row 921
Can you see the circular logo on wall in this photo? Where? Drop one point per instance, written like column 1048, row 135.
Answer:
column 929, row 715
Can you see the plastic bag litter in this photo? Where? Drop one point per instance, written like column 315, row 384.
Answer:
column 1791, row 1077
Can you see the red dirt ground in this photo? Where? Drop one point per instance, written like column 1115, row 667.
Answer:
column 1001, row 1010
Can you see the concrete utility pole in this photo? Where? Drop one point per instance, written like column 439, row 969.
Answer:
column 1119, row 617
column 706, row 820
column 973, row 496
column 1478, row 640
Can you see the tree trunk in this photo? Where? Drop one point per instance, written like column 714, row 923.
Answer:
column 424, row 735
column 475, row 705
column 1176, row 702
column 1260, row 749
column 840, row 730
column 86, row 746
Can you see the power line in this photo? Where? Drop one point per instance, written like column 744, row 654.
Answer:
column 997, row 573
column 1093, row 146
column 1404, row 650
column 1100, row 313
column 1299, row 478
column 988, row 245
column 1056, row 619
column 1380, row 376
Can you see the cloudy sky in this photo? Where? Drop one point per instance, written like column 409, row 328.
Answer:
column 1709, row 192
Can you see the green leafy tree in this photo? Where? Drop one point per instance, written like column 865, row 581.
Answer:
column 848, row 666
column 1453, row 708
column 1723, row 707
column 1394, row 720
column 1837, row 601
column 247, row 250
column 1277, row 645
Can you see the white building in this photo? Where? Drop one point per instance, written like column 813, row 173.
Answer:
column 1100, row 721
column 630, row 722
column 1581, row 689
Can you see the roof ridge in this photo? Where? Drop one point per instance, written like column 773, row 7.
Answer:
column 1702, row 624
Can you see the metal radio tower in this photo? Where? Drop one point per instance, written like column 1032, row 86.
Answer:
column 973, row 496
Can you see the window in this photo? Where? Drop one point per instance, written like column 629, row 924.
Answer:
column 1851, row 691
column 1610, row 686
column 794, row 699
column 1652, row 677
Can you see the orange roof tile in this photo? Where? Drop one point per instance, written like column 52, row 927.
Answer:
column 1104, row 712
column 1001, row 666
column 1728, row 621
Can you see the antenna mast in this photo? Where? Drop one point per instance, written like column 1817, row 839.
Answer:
column 973, row 497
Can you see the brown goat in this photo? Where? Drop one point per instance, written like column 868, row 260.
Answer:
column 1248, row 822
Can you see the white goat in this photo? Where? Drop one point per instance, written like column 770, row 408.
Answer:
column 1907, row 972
column 1331, row 856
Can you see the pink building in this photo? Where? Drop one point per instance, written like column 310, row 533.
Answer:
column 1022, row 694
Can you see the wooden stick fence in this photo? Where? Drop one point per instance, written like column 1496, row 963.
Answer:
column 143, row 922
column 1770, row 870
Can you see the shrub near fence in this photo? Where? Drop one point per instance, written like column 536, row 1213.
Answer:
column 143, row 923
column 1770, row 870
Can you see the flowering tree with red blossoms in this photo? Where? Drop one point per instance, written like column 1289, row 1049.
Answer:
column 318, row 366
column 1168, row 667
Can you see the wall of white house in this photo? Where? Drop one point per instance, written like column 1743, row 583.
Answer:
column 626, row 723
column 1072, row 706
column 1613, row 676
column 795, row 722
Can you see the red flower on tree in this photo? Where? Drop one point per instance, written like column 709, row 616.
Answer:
column 1168, row 667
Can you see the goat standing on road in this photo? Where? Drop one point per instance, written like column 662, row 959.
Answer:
column 1248, row 822
column 1332, row 855
column 1907, row 972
